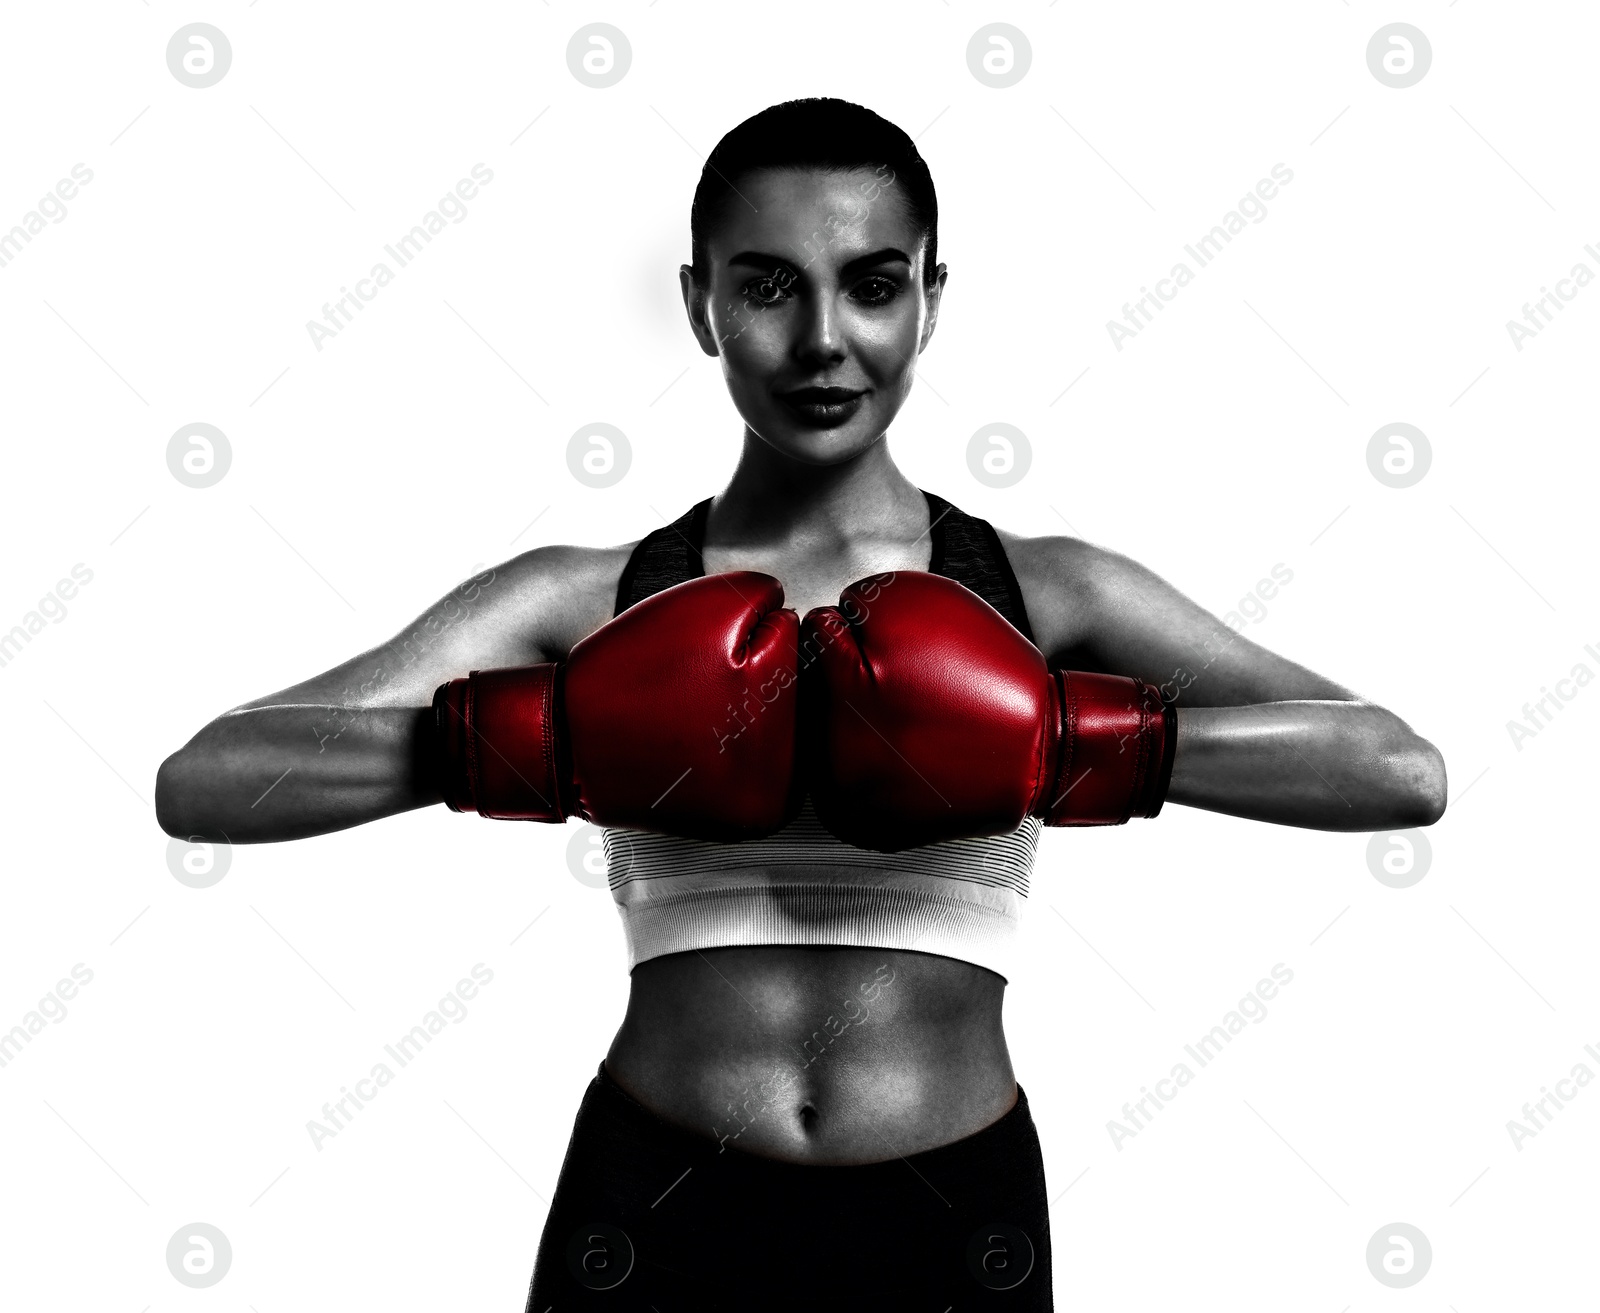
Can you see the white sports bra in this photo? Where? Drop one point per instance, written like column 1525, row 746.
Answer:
column 961, row 898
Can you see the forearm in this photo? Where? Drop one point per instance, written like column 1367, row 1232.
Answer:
column 1324, row 765
column 286, row 772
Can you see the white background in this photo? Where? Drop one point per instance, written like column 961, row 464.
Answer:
column 377, row 472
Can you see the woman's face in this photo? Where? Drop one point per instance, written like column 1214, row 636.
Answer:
column 816, row 306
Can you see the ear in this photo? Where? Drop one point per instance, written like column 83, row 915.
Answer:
column 696, row 302
column 934, row 294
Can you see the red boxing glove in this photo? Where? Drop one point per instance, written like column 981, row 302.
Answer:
column 932, row 718
column 678, row 716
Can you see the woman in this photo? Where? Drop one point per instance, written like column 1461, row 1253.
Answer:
column 810, row 1097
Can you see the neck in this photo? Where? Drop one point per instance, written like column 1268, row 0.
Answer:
column 772, row 498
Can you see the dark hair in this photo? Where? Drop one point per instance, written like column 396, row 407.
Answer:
column 819, row 133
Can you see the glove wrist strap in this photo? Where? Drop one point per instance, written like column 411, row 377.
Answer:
column 1114, row 752
column 499, row 744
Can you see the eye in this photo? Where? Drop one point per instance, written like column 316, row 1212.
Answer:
column 876, row 291
column 770, row 289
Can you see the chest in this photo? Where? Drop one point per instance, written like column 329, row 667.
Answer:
column 816, row 578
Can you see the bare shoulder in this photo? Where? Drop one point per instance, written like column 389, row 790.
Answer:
column 554, row 595
column 1065, row 584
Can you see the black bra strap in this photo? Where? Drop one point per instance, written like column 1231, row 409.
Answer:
column 664, row 557
column 969, row 551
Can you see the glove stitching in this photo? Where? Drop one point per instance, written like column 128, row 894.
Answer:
column 1141, row 765
column 1158, row 713
column 470, row 734
column 1042, row 760
column 547, row 698
column 1069, row 721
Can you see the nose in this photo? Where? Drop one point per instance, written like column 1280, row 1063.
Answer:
column 821, row 336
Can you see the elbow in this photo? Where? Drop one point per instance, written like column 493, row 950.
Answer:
column 1422, row 787
column 178, row 808
column 169, row 794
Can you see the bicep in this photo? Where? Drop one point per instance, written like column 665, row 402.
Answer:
column 1127, row 620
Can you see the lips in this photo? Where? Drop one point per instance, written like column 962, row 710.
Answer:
column 820, row 396
column 822, row 407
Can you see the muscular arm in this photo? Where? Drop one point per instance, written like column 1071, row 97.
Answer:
column 1258, row 735
column 352, row 744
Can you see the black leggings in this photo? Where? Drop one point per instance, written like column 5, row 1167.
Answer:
column 648, row 1215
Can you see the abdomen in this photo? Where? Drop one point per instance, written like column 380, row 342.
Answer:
column 817, row 1054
